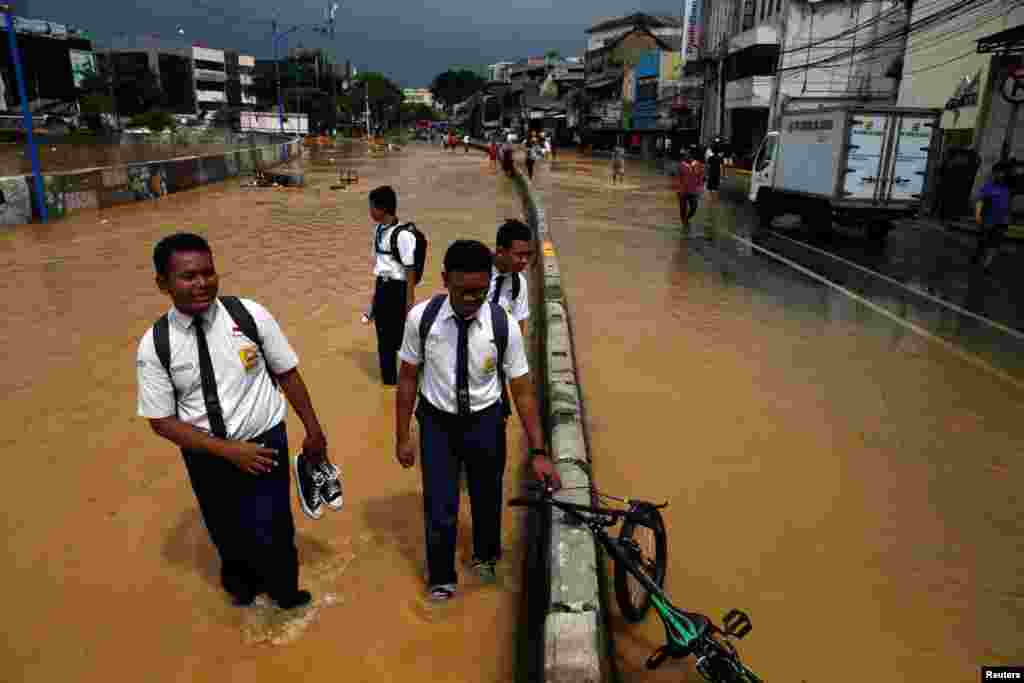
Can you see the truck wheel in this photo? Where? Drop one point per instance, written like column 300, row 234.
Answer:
column 878, row 230
column 765, row 210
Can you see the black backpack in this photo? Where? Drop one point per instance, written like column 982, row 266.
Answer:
column 499, row 320
column 515, row 287
column 238, row 312
column 419, row 259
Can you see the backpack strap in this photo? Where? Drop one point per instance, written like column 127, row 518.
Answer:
column 427, row 321
column 243, row 318
column 515, row 287
column 162, row 343
column 499, row 321
column 394, row 243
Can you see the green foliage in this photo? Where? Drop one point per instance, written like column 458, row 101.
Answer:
column 417, row 112
column 97, row 103
column 155, row 120
column 452, row 87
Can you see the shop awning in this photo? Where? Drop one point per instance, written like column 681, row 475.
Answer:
column 1010, row 41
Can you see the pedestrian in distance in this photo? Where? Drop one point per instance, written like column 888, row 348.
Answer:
column 492, row 154
column 465, row 142
column 395, row 277
column 689, row 185
column 465, row 348
column 618, row 163
column 992, row 214
column 534, row 153
column 208, row 376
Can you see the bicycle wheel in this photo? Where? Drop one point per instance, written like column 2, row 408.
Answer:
column 648, row 532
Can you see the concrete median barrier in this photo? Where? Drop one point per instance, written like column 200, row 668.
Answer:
column 574, row 624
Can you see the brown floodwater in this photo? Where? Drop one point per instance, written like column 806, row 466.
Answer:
column 852, row 485
column 109, row 570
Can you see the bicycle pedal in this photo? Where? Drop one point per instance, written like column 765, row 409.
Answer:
column 736, row 624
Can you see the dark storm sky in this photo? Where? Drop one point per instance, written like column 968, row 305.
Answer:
column 407, row 40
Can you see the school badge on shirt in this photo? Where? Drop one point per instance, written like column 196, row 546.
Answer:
column 490, row 365
column 249, row 356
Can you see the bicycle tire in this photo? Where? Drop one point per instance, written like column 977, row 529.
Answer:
column 634, row 600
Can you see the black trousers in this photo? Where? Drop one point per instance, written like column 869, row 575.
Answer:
column 687, row 206
column 389, row 319
column 447, row 442
column 249, row 518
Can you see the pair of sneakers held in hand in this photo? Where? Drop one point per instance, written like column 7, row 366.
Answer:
column 318, row 484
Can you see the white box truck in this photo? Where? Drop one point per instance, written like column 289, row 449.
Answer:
column 857, row 166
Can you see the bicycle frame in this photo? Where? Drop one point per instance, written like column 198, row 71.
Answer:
column 686, row 634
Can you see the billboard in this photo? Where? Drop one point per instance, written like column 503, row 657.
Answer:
column 695, row 29
column 83, row 65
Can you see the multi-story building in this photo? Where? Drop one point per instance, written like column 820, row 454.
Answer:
column 240, row 70
column 133, row 62
column 763, row 56
column 498, row 73
column 418, row 96
column 54, row 59
column 632, row 69
column 192, row 79
column 211, row 77
column 958, row 60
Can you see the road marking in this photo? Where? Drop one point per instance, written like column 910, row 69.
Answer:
column 1002, row 328
column 960, row 353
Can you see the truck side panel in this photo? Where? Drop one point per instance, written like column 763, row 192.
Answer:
column 810, row 146
column 910, row 162
column 867, row 138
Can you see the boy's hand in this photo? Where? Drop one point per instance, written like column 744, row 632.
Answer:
column 315, row 446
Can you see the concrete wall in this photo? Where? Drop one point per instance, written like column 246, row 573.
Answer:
column 100, row 188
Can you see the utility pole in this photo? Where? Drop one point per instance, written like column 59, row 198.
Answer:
column 33, row 151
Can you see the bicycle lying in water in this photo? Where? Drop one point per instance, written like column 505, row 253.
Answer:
column 639, row 581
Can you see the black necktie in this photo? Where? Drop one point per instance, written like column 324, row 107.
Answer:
column 462, row 366
column 498, row 282
column 209, row 380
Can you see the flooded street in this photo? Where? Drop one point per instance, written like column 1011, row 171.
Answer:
column 110, row 571
column 852, row 485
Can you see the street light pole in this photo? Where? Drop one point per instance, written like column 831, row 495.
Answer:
column 12, row 44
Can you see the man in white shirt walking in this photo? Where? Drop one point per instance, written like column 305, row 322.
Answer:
column 394, row 289
column 211, row 389
column 509, row 287
column 456, row 340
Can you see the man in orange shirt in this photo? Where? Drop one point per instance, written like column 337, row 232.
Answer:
column 689, row 184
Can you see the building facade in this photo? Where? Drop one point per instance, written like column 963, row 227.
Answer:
column 943, row 68
column 54, row 59
column 761, row 57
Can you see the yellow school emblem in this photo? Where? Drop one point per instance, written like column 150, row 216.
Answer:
column 249, row 357
column 490, row 365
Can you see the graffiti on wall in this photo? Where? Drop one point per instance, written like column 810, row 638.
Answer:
column 181, row 174
column 147, row 181
column 16, row 207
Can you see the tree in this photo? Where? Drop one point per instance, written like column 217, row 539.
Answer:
column 156, row 121
column 382, row 92
column 417, row 112
column 452, row 87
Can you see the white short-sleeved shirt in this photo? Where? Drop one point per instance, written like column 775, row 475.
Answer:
column 385, row 264
column 250, row 401
column 519, row 309
column 437, row 383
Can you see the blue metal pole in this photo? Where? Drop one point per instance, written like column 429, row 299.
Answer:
column 32, row 150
